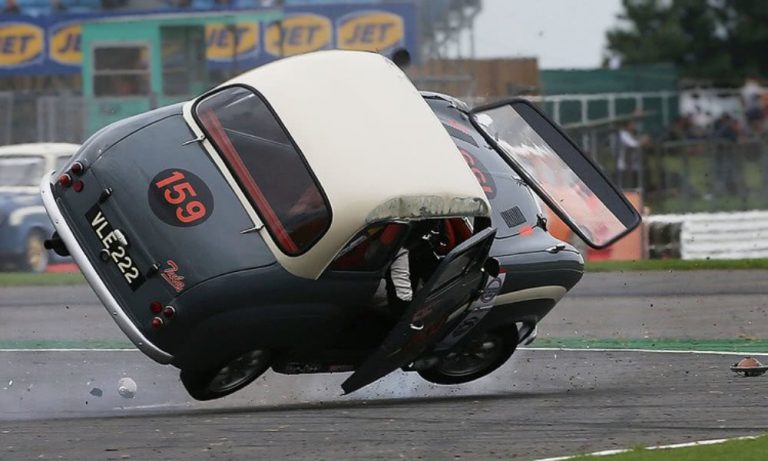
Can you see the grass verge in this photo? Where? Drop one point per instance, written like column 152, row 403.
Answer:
column 676, row 265
column 715, row 345
column 742, row 450
column 46, row 279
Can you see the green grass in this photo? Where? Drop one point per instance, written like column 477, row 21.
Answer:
column 31, row 279
column 718, row 345
column 741, row 450
column 676, row 265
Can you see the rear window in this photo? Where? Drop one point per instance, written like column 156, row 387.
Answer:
column 267, row 165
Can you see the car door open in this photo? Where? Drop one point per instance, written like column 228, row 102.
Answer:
column 563, row 176
column 452, row 287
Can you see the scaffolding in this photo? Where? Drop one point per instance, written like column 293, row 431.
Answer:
column 447, row 44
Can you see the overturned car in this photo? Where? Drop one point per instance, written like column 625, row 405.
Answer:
column 252, row 227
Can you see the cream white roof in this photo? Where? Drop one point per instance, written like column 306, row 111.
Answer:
column 376, row 147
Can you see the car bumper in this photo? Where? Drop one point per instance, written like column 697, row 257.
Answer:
column 98, row 285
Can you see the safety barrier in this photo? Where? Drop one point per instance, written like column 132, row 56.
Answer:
column 739, row 235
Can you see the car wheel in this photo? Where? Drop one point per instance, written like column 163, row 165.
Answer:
column 235, row 375
column 35, row 256
column 474, row 359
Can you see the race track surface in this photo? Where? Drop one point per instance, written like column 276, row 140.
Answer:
column 65, row 404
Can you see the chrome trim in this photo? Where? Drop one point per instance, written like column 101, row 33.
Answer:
column 109, row 301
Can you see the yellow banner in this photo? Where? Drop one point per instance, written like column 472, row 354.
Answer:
column 64, row 45
column 20, row 43
column 222, row 40
column 370, row 31
column 299, row 33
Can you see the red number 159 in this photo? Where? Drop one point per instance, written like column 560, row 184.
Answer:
column 177, row 193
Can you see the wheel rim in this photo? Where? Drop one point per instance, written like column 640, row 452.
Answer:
column 37, row 258
column 474, row 357
column 238, row 371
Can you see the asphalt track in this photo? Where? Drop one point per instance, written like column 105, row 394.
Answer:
column 65, row 405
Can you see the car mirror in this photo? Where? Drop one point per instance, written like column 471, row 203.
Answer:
column 555, row 168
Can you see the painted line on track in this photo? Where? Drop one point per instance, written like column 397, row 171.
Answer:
column 649, row 351
column 69, row 350
column 656, row 447
column 534, row 349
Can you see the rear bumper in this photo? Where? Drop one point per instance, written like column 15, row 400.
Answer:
column 109, row 301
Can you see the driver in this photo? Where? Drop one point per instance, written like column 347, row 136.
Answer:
column 417, row 260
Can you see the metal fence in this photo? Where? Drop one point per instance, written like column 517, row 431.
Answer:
column 712, row 175
column 703, row 175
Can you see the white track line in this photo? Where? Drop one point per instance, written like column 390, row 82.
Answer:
column 546, row 349
column 70, row 350
column 657, row 447
column 649, row 351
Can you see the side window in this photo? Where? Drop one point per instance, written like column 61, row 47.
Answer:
column 371, row 249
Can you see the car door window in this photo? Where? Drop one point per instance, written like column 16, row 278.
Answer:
column 371, row 249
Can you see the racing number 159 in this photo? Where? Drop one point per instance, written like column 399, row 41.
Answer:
column 178, row 192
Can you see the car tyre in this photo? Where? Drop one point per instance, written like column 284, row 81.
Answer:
column 227, row 379
column 35, row 257
column 475, row 358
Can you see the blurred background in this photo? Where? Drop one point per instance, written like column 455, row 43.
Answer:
column 665, row 95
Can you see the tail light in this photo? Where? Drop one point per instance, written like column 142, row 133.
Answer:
column 157, row 323
column 78, row 186
column 65, row 180
column 156, row 307
column 77, row 168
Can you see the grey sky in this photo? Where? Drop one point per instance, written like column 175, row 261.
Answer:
column 561, row 33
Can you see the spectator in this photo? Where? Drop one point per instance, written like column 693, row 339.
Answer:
column 11, row 7
column 726, row 128
column 752, row 102
column 628, row 158
column 681, row 129
column 57, row 6
column 728, row 159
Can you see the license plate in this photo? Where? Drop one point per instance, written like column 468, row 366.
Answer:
column 114, row 247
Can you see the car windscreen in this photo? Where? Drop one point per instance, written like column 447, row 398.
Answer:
column 267, row 165
column 21, row 170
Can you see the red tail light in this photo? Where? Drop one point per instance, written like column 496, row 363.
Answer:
column 77, row 168
column 65, row 180
column 78, row 186
column 156, row 307
column 169, row 312
column 157, row 323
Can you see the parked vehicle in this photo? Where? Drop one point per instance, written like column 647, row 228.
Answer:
column 251, row 227
column 24, row 225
